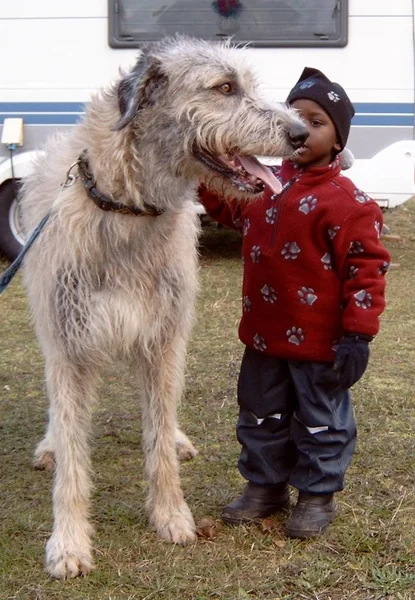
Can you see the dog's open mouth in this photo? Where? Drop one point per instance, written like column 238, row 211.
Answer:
column 246, row 173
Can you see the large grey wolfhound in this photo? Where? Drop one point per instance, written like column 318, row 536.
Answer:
column 112, row 276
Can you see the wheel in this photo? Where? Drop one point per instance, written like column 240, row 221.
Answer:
column 11, row 232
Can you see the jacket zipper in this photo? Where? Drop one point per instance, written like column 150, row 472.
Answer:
column 278, row 204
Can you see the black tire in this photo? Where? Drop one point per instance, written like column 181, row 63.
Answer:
column 11, row 240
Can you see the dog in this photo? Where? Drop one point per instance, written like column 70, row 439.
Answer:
column 112, row 276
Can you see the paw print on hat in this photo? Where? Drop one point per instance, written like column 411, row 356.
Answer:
column 255, row 254
column 269, row 294
column 306, row 84
column 271, row 214
column 290, row 250
column 295, row 335
column 333, row 96
column 259, row 343
column 363, row 299
column 307, row 204
column 307, row 295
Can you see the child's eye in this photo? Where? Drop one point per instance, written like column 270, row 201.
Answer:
column 316, row 123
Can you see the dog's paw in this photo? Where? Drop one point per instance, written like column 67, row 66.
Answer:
column 186, row 451
column 177, row 527
column 184, row 447
column 44, row 461
column 65, row 563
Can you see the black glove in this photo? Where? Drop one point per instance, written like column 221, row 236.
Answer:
column 352, row 356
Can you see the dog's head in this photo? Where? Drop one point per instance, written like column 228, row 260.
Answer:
column 199, row 100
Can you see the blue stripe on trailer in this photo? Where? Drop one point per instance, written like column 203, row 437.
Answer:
column 44, row 118
column 35, row 107
column 383, row 120
column 375, row 114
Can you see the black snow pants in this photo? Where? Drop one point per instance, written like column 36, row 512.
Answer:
column 295, row 424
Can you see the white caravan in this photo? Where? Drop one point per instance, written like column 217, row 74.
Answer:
column 56, row 54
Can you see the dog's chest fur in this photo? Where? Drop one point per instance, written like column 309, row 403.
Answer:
column 134, row 292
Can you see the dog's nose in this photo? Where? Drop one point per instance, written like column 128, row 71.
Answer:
column 297, row 135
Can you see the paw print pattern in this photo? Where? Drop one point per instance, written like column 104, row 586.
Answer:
column 295, row 335
column 353, row 271
column 326, row 260
column 384, row 268
column 306, row 84
column 333, row 96
column 356, row 248
column 307, row 295
column 334, row 231
column 246, row 226
column 361, row 196
column 307, row 204
column 271, row 214
column 269, row 294
column 246, row 304
column 377, row 228
column 363, row 299
column 290, row 250
column 259, row 343
column 255, row 254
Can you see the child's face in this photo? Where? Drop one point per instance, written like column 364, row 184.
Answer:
column 322, row 141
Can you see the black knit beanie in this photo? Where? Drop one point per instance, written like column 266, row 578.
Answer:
column 314, row 85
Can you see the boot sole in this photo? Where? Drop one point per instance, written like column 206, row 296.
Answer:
column 230, row 520
column 302, row 534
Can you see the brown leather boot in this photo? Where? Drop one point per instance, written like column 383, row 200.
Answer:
column 257, row 502
column 311, row 515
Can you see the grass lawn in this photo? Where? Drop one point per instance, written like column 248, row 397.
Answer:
column 368, row 553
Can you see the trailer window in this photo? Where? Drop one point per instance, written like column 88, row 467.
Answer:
column 260, row 22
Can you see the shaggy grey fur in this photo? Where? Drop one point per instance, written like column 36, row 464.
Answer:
column 107, row 287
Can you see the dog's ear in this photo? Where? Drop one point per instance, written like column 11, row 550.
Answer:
column 140, row 89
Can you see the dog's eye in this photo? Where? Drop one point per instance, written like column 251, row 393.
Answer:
column 226, row 88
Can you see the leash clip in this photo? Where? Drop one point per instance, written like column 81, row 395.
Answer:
column 70, row 177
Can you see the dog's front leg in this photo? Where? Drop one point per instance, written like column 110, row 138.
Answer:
column 162, row 383
column 71, row 389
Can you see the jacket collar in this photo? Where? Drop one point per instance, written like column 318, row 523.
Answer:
column 311, row 175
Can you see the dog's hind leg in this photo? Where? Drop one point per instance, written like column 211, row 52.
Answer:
column 162, row 384
column 184, row 447
column 72, row 391
column 45, row 454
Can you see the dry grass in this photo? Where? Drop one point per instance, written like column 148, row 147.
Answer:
column 369, row 552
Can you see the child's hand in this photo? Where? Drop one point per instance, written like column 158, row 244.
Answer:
column 352, row 356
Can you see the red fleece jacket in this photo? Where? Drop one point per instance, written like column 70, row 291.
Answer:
column 314, row 267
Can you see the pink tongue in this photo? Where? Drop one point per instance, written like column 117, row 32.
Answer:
column 254, row 167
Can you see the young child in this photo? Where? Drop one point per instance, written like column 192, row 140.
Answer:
column 313, row 291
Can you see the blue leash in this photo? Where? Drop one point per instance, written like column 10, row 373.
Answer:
column 8, row 275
